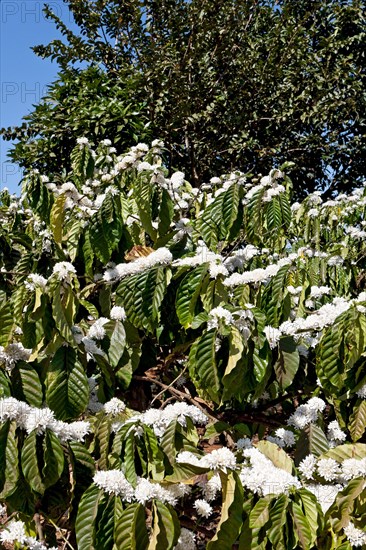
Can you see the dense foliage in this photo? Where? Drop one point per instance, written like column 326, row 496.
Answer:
column 181, row 367
column 227, row 84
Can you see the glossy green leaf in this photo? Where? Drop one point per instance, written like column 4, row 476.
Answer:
column 188, row 293
column 85, row 520
column 67, row 391
column 30, row 466
column 202, row 364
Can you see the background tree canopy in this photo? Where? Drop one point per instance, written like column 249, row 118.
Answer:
column 226, row 84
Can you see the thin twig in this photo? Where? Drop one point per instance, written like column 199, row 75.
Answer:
column 236, row 417
column 179, row 394
column 170, row 385
column 59, row 530
column 39, row 529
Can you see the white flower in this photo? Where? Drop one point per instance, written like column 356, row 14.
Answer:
column 203, row 508
column 307, row 466
column 114, row 406
column 2, row 510
column 140, row 147
column 64, row 271
column 306, row 414
column 39, row 420
column 177, row 180
column 12, row 409
column 362, row 392
column 146, row 490
column 355, row 536
column 219, row 459
column 35, row 281
column 243, row 443
column 14, row 353
column 186, row 457
column 13, row 532
column 145, row 166
column 319, row 291
column 157, row 143
column 273, row 336
column 258, row 275
column 287, row 436
column 114, row 481
column 161, row 256
column 262, row 477
column 118, row 313
column 328, row 468
column 186, row 540
column 217, row 314
column 353, row 467
column 96, row 331
column 159, row 419
column 316, row 404
column 335, row 433
column 335, row 260
column 33, row 544
column 294, row 291
column 217, row 269
column 212, row 487
column 82, row 141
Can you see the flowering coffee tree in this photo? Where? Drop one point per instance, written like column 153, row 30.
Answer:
column 180, row 368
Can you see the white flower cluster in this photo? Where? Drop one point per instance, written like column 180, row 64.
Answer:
column 34, row 281
column 162, row 256
column 355, row 536
column 114, row 481
column 307, row 466
column 362, row 392
column 159, row 419
column 335, row 435
column 146, row 490
column 269, row 185
column 211, row 487
column 186, row 541
column 262, row 477
column 219, row 314
column 282, row 438
column 13, row 353
column 203, row 255
column 259, row 275
column 64, row 271
column 307, row 413
column 97, row 330
column 32, row 418
column 114, row 407
column 330, row 470
column 319, row 291
column 15, row 532
column 203, row 508
column 218, row 459
column 323, row 317
column 238, row 258
column 118, row 313
column 273, row 336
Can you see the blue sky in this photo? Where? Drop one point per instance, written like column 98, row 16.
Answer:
column 24, row 76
